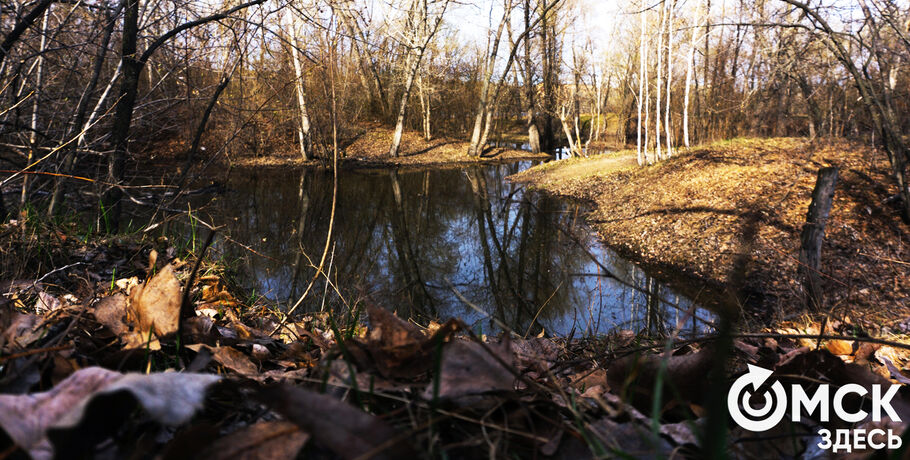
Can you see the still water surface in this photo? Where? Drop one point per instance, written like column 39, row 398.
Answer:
column 409, row 240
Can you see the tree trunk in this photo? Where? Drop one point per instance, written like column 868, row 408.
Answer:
column 813, row 235
column 488, row 127
column 690, row 64
column 367, row 64
column 667, row 124
column 200, row 129
column 69, row 159
column 425, row 109
column 476, row 148
column 132, row 67
column 5, row 47
column 547, row 138
column 403, row 105
column 33, row 124
column 303, row 130
column 568, row 132
column 415, row 55
column 815, row 115
column 647, row 102
column 659, row 83
column 530, row 90
column 642, row 149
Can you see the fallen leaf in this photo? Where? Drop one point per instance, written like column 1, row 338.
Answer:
column 588, row 379
column 839, row 347
column 896, row 374
column 230, row 358
column 751, row 351
column 111, row 312
column 537, row 354
column 89, row 405
column 395, row 345
column 683, row 432
column 348, row 432
column 275, row 440
column 22, row 331
column 632, row 439
column 468, row 369
column 865, row 352
column 46, row 302
column 155, row 306
column 683, row 375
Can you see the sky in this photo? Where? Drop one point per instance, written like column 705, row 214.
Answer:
column 597, row 20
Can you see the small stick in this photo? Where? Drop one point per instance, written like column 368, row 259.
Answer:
column 185, row 301
column 34, row 352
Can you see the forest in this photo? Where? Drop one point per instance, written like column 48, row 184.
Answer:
column 454, row 229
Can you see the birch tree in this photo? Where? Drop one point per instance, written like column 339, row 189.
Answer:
column 667, row 125
column 690, row 65
column 642, row 51
column 658, row 86
column 303, row 129
column 421, row 24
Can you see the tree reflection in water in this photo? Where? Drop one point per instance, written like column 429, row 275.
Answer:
column 401, row 237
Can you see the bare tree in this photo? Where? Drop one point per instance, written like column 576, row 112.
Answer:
column 690, row 64
column 133, row 64
column 303, row 130
column 876, row 96
column 421, row 24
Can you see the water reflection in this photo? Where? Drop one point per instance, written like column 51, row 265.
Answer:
column 435, row 244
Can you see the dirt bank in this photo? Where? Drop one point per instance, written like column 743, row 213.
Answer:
column 701, row 210
column 371, row 149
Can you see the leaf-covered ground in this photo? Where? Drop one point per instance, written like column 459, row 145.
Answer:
column 106, row 359
column 744, row 202
column 369, row 148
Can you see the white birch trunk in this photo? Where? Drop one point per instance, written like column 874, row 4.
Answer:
column 659, row 83
column 641, row 86
column 690, row 66
column 33, row 135
column 647, row 124
column 667, row 124
column 303, row 130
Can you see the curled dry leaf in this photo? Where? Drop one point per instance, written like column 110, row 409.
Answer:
column 156, row 304
column 586, row 380
column 895, row 373
column 348, row 432
column 22, row 331
column 394, row 344
column 152, row 309
column 87, row 407
column 231, row 359
column 535, row 354
column 276, row 440
column 111, row 312
column 468, row 369
column 638, row 373
column 47, row 302
column 397, row 348
column 839, row 347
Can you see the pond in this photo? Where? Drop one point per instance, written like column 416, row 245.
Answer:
column 434, row 244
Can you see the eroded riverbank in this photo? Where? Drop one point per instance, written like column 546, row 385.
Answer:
column 742, row 204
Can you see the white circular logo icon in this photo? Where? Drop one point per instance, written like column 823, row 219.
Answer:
column 756, row 419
